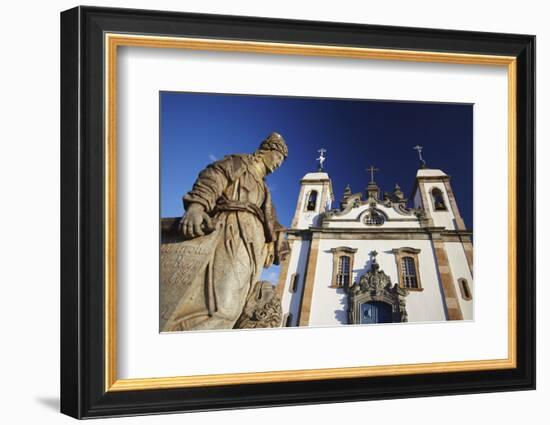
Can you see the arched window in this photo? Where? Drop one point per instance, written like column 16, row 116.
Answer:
column 311, row 201
column 408, row 273
column 294, row 282
column 408, row 269
column 438, row 200
column 343, row 274
column 465, row 289
column 287, row 320
column 342, row 266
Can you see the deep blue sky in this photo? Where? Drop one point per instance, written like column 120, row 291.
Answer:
column 198, row 128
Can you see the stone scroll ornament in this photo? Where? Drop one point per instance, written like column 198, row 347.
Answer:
column 262, row 308
column 212, row 258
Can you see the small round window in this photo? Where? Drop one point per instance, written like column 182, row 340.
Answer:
column 373, row 218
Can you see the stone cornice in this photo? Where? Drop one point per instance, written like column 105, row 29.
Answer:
column 426, row 233
column 358, row 220
column 399, row 207
column 428, row 179
column 314, row 181
column 344, row 249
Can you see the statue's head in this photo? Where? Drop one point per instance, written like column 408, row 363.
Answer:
column 273, row 151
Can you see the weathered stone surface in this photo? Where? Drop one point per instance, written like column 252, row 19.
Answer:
column 211, row 265
column 262, row 308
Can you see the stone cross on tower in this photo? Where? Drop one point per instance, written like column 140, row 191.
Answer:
column 372, row 170
column 418, row 148
column 372, row 188
column 321, row 158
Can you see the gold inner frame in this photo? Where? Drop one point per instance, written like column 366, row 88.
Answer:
column 113, row 41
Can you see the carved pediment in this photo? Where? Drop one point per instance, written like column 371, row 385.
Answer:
column 373, row 280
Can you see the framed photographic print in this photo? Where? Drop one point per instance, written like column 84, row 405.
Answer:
column 261, row 212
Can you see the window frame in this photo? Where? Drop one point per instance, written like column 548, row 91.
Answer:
column 402, row 253
column 408, row 272
column 342, row 274
column 287, row 320
column 434, row 203
column 306, row 200
column 463, row 291
column 294, row 283
column 337, row 253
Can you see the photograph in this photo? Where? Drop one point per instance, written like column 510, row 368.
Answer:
column 281, row 211
column 269, row 211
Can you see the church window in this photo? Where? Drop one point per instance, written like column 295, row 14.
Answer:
column 342, row 277
column 465, row 289
column 406, row 260
column 342, row 266
column 287, row 320
column 294, row 282
column 408, row 272
column 311, row 201
column 373, row 218
column 438, row 200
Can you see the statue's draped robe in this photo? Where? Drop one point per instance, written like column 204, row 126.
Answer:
column 208, row 286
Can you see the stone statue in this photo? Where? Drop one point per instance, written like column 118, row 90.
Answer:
column 262, row 308
column 229, row 233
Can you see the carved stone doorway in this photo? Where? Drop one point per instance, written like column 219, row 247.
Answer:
column 373, row 298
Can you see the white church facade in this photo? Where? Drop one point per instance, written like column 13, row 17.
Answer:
column 374, row 259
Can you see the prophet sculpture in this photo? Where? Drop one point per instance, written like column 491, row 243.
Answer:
column 210, row 272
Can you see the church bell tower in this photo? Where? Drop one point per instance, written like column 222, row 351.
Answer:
column 316, row 197
column 433, row 192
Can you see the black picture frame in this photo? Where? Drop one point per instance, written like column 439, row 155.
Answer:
column 83, row 392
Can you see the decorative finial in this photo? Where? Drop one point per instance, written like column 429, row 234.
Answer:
column 321, row 158
column 372, row 170
column 398, row 192
column 418, row 148
column 347, row 190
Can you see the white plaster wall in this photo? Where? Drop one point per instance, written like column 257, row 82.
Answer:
column 356, row 214
column 290, row 302
column 460, row 269
column 360, row 225
column 329, row 306
column 308, row 218
column 440, row 218
column 417, row 199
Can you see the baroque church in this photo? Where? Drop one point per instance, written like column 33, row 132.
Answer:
column 374, row 259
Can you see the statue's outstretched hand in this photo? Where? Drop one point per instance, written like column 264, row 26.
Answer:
column 195, row 222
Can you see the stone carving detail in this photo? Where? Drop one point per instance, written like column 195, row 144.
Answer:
column 212, row 259
column 262, row 308
column 375, row 285
column 373, row 217
column 420, row 213
column 422, row 216
column 345, row 196
column 402, row 209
